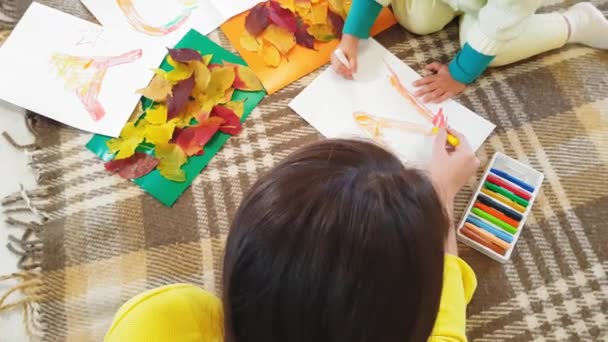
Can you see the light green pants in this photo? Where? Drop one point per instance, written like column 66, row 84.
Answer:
column 542, row 32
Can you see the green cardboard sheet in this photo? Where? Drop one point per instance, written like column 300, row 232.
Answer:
column 166, row 191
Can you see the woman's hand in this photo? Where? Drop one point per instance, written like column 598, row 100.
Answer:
column 451, row 167
column 349, row 45
column 438, row 87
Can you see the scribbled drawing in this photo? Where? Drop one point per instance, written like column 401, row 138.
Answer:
column 136, row 21
column 84, row 76
column 90, row 37
column 374, row 126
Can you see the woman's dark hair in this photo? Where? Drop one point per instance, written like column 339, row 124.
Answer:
column 339, row 242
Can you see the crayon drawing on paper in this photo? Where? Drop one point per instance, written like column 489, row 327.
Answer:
column 379, row 104
column 137, row 22
column 84, row 76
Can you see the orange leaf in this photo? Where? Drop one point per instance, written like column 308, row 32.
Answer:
column 158, row 90
column 246, row 80
column 192, row 139
column 319, row 13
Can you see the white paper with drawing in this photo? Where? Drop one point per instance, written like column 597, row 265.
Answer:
column 73, row 71
column 375, row 106
column 167, row 21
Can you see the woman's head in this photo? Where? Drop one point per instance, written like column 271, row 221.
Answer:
column 339, row 242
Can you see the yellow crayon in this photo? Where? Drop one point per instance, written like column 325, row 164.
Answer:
column 452, row 140
column 503, row 199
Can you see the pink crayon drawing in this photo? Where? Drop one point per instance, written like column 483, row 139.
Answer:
column 84, row 76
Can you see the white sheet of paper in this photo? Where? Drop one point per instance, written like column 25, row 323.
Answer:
column 230, row 8
column 165, row 22
column 329, row 102
column 51, row 63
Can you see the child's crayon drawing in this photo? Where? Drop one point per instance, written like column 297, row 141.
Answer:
column 84, row 76
column 138, row 23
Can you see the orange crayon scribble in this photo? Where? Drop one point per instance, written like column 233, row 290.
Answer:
column 137, row 22
column 84, row 76
column 374, row 125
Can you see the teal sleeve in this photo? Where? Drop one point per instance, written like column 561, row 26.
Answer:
column 469, row 64
column 361, row 18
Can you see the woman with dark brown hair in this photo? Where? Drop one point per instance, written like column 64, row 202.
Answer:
column 339, row 242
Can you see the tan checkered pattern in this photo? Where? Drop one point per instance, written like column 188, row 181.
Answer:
column 107, row 240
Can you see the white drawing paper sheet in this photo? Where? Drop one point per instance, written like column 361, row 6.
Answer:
column 75, row 72
column 164, row 22
column 329, row 102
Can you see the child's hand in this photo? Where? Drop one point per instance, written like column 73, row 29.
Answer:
column 349, row 45
column 438, row 87
column 451, row 167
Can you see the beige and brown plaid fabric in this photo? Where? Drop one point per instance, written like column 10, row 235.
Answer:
column 106, row 240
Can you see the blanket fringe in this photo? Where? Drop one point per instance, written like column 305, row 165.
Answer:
column 31, row 291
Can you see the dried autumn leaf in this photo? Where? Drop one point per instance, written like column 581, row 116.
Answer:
column 245, row 79
column 288, row 4
column 207, row 59
column 158, row 89
column 137, row 112
column 257, row 19
column 271, row 56
column 192, row 139
column 179, row 99
column 159, row 134
column 228, row 95
column 303, row 8
column 319, row 13
column 337, row 23
column 281, row 38
column 347, row 4
column 281, row 17
column 171, row 158
column 337, row 6
column 222, row 78
column 157, row 115
column 132, row 130
column 238, row 107
column 303, row 38
column 249, row 42
column 202, row 75
column 323, row 33
column 124, row 146
column 232, row 123
column 185, row 55
column 136, row 166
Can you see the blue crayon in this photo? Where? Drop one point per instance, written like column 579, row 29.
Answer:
column 490, row 229
column 512, row 179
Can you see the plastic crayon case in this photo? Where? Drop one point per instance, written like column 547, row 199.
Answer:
column 501, row 209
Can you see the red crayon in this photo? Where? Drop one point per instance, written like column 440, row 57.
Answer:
column 515, row 190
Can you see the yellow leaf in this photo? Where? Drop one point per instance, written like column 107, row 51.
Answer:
column 157, row 115
column 319, row 13
column 130, row 130
column 158, row 90
column 303, row 9
column 271, row 56
column 172, row 61
column 180, row 71
column 228, row 95
column 281, row 38
column 249, row 42
column 322, row 32
column 238, row 107
column 171, row 159
column 182, row 120
column 124, row 146
column 160, row 72
column 289, row 4
column 207, row 59
column 202, row 75
column 337, row 6
column 160, row 134
column 137, row 112
column 221, row 80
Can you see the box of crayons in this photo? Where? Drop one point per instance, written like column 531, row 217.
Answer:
column 498, row 211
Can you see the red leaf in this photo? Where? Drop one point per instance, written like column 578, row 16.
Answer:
column 257, row 19
column 282, row 17
column 337, row 23
column 185, row 55
column 192, row 139
column 136, row 166
column 232, row 123
column 181, row 92
column 303, row 38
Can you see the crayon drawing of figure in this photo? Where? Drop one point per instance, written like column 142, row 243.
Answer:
column 137, row 22
column 84, row 76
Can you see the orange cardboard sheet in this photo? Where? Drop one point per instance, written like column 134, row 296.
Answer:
column 302, row 61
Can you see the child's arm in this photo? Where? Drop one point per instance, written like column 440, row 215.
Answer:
column 459, row 284
column 499, row 21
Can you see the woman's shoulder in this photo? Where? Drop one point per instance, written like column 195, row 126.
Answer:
column 179, row 312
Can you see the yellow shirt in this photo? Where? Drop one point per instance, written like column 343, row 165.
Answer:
column 186, row 313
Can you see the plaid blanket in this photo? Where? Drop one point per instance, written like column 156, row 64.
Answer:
column 103, row 240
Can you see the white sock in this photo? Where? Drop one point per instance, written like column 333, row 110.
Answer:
column 588, row 26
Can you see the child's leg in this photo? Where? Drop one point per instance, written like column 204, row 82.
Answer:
column 422, row 16
column 544, row 32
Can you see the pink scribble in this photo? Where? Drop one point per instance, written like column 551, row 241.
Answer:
column 84, row 75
